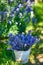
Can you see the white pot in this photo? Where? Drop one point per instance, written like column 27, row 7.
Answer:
column 22, row 56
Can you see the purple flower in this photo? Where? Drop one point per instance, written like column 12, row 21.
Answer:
column 17, row 9
column 20, row 5
column 3, row 13
column 22, row 41
column 28, row 9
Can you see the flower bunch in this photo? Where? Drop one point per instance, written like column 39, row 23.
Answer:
column 22, row 41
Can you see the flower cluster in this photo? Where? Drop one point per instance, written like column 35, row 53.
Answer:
column 22, row 41
column 16, row 9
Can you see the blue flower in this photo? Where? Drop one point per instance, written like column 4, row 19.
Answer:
column 22, row 41
column 10, row 35
column 12, row 15
column 3, row 13
column 17, row 9
column 34, row 20
column 28, row 9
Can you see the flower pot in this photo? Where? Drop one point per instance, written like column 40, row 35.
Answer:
column 22, row 56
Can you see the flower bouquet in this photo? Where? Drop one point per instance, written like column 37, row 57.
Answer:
column 21, row 45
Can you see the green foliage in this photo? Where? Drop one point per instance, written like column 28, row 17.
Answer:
column 23, row 26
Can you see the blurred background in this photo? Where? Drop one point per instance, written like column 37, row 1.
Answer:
column 20, row 16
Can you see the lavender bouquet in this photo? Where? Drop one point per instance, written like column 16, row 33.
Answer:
column 22, row 41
